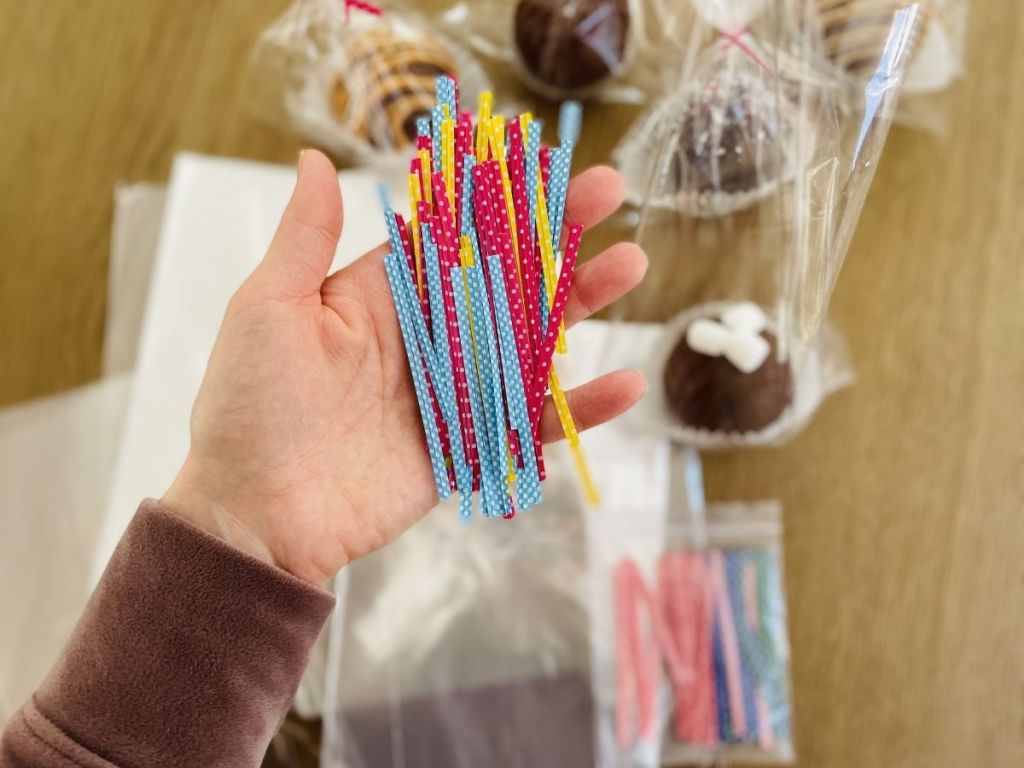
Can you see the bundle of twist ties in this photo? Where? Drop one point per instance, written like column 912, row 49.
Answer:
column 480, row 285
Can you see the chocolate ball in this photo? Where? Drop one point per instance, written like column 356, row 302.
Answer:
column 710, row 393
column 389, row 83
column 731, row 139
column 571, row 44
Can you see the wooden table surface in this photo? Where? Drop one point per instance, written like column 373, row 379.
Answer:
column 904, row 499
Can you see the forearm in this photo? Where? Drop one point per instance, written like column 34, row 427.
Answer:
column 188, row 653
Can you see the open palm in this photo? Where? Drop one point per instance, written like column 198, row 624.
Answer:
column 307, row 447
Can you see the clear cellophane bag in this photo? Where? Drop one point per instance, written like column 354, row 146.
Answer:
column 749, row 179
column 602, row 50
column 355, row 77
column 465, row 644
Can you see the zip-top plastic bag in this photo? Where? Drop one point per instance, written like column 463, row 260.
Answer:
column 690, row 655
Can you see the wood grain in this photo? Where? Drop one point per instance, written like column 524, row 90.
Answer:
column 904, row 499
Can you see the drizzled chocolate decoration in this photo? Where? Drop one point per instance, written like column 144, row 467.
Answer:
column 571, row 44
column 710, row 393
column 388, row 85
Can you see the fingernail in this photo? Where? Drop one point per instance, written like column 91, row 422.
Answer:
column 302, row 155
column 643, row 380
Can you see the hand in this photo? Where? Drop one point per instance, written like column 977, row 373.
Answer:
column 307, row 448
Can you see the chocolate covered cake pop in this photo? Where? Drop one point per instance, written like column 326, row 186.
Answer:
column 568, row 45
column 388, row 84
column 724, row 374
column 733, row 144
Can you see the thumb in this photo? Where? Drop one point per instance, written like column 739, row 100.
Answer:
column 301, row 253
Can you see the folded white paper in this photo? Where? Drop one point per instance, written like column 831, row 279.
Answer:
column 138, row 212
column 56, row 459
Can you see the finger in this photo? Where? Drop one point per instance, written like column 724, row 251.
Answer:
column 606, row 277
column 303, row 248
column 593, row 196
column 594, row 403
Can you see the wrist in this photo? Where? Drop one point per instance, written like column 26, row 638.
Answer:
column 189, row 499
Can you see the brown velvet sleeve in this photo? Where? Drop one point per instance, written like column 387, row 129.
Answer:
column 188, row 654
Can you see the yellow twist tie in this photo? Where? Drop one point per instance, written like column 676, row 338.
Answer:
column 425, row 171
column 448, row 159
column 547, row 254
column 498, row 149
column 573, row 437
column 414, row 222
column 482, row 122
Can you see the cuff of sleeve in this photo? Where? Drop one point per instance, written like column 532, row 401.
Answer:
column 189, row 651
